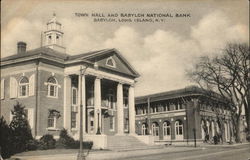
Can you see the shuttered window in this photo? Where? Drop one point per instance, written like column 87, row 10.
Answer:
column 23, row 87
column 13, row 87
column 32, row 85
column 2, row 88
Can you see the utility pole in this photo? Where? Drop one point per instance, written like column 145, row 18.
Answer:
column 148, row 115
column 81, row 155
column 194, row 129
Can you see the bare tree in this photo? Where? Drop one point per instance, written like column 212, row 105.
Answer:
column 228, row 74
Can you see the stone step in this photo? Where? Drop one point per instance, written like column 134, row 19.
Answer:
column 125, row 143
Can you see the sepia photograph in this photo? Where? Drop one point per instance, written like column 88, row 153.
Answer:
column 125, row 80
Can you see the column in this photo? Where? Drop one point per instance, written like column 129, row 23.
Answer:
column 82, row 100
column 131, row 110
column 67, row 103
column 120, row 114
column 97, row 103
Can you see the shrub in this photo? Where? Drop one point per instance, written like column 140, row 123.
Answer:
column 216, row 139
column 248, row 137
column 65, row 141
column 32, row 145
column 85, row 145
column 47, row 142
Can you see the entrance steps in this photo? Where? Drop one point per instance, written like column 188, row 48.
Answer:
column 126, row 143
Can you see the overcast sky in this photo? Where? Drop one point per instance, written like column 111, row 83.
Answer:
column 160, row 52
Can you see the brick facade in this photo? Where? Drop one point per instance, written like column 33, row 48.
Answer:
column 191, row 107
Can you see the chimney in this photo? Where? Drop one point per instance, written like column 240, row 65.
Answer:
column 21, row 47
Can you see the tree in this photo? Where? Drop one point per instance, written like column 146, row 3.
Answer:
column 5, row 139
column 21, row 132
column 227, row 74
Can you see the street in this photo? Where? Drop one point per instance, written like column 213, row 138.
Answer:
column 210, row 152
column 216, row 153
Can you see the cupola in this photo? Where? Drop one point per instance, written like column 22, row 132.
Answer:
column 53, row 36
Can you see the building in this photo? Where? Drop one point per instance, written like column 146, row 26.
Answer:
column 182, row 116
column 52, row 84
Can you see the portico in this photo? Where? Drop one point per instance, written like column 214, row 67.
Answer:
column 108, row 103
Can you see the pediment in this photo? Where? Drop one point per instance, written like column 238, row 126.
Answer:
column 113, row 61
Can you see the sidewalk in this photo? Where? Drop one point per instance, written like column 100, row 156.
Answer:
column 107, row 155
column 226, row 145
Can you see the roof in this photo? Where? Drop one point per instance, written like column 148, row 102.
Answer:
column 187, row 91
column 48, row 53
column 37, row 51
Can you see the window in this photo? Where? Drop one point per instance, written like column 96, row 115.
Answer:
column 126, row 124
column 144, row 110
column 91, row 123
column 178, row 130
column 136, row 111
column 52, row 87
column 73, row 119
column 74, row 107
column 155, row 109
column 166, row 130
column 51, row 121
column 202, row 129
column 178, row 106
column 23, row 87
column 52, row 118
column 111, row 62
column 125, row 102
column 155, row 129
column 167, row 108
column 111, row 123
column 111, row 99
column 49, row 39
column 143, row 129
column 29, row 116
column 74, row 96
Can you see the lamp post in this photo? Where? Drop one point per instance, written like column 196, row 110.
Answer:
column 81, row 155
column 248, row 94
column 98, row 125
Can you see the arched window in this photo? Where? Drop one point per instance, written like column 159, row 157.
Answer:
column 52, row 87
column 179, row 130
column 143, row 129
column 155, row 129
column 167, row 130
column 111, row 62
column 23, row 87
column 49, row 39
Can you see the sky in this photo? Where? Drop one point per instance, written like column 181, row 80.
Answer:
column 161, row 51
